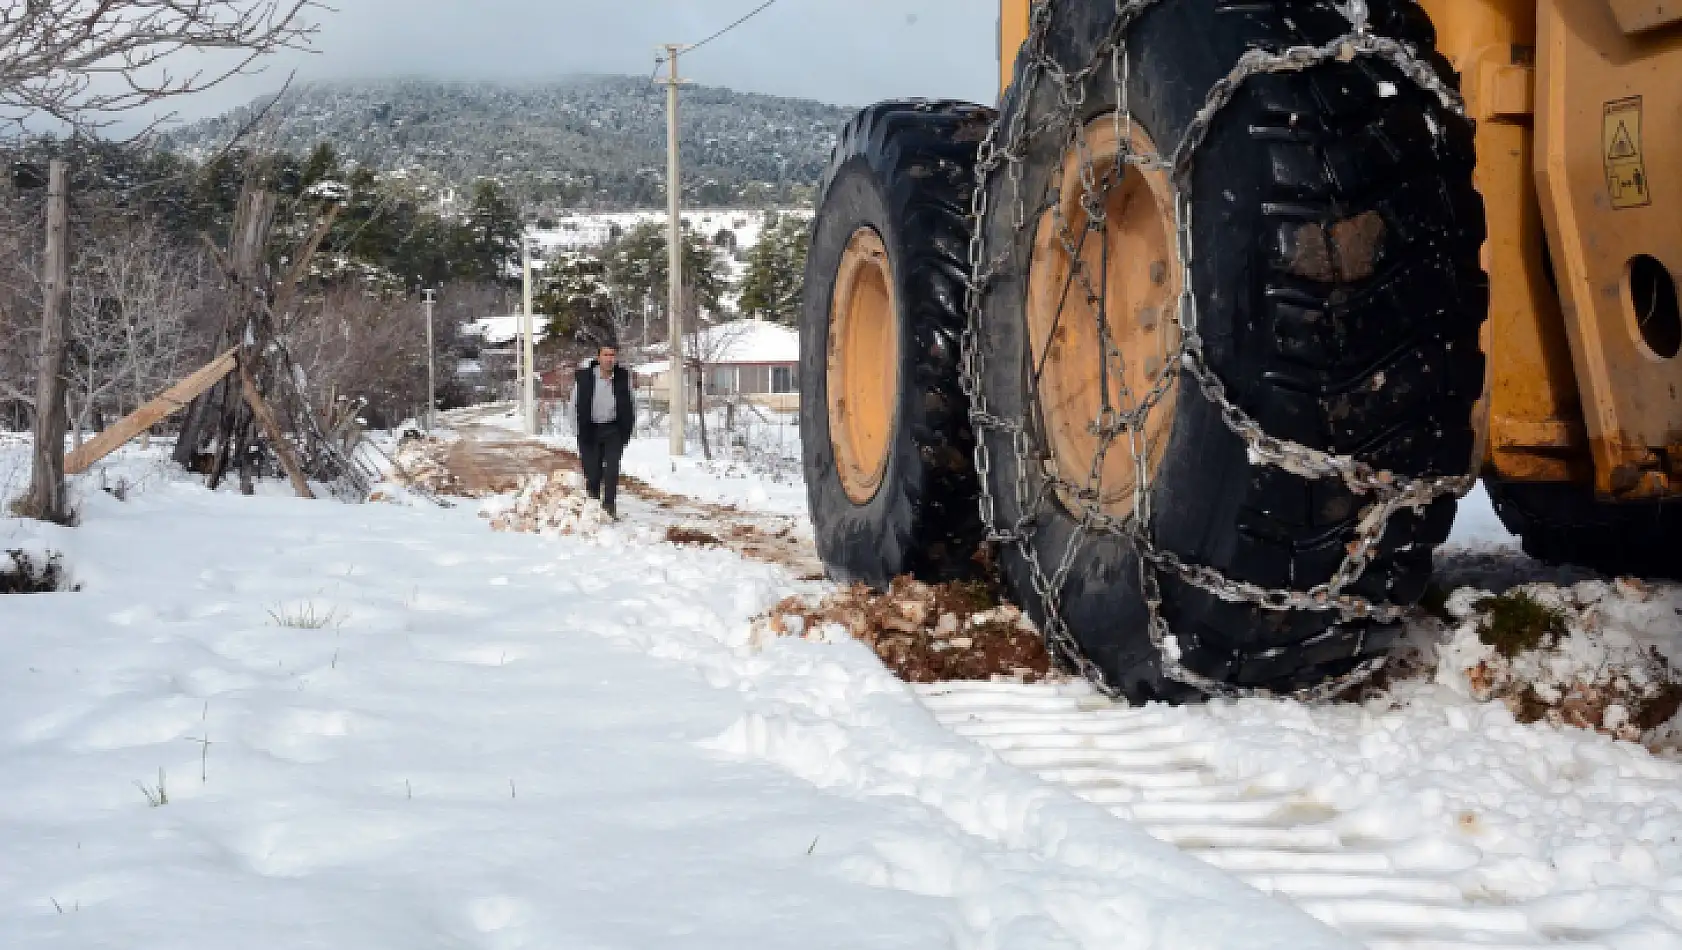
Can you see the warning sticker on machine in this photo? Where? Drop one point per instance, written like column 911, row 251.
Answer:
column 1626, row 170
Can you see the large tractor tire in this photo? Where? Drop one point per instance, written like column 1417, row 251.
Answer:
column 883, row 420
column 1566, row 524
column 1335, row 271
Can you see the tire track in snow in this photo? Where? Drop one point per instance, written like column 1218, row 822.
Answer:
column 1388, row 887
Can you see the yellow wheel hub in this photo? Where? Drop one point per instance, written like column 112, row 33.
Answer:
column 1137, row 289
column 863, row 365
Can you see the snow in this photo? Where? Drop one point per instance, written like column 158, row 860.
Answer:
column 586, row 230
column 501, row 740
column 1570, row 831
column 389, row 725
column 500, row 331
column 719, row 482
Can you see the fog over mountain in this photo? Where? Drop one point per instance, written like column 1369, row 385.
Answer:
column 592, row 141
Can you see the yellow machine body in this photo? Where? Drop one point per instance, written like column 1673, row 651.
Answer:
column 1578, row 110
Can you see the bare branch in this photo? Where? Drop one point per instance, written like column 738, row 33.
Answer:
column 84, row 61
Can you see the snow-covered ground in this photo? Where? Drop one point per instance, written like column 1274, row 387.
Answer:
column 389, row 726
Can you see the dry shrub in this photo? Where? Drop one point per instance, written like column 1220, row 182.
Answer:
column 925, row 633
column 27, row 575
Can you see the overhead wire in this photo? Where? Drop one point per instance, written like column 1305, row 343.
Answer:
column 745, row 18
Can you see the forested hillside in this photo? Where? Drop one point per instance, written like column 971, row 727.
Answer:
column 587, row 142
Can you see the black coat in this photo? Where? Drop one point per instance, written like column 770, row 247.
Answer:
column 626, row 419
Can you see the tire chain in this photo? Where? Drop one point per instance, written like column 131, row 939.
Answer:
column 1389, row 493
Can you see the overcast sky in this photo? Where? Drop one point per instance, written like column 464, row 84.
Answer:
column 849, row 52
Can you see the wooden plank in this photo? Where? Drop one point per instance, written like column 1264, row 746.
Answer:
column 277, row 435
column 172, row 400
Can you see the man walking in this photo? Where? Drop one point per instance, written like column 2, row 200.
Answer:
column 605, row 416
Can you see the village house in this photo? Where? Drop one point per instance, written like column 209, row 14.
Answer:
column 755, row 360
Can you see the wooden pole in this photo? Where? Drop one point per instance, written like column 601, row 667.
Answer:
column 277, row 435
column 47, row 498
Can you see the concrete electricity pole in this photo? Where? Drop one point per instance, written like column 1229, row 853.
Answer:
column 528, row 395
column 674, row 248
column 431, row 373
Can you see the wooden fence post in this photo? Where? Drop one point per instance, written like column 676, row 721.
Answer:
column 47, row 499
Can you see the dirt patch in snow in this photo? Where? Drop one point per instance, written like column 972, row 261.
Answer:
column 924, row 633
column 419, row 464
column 690, row 537
column 1595, row 655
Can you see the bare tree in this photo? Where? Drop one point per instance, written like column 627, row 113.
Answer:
column 84, row 61
column 356, row 344
column 704, row 347
column 131, row 296
column 20, row 322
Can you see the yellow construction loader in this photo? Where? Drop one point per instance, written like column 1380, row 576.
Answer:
column 1196, row 339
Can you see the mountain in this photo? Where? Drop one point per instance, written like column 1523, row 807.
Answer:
column 595, row 142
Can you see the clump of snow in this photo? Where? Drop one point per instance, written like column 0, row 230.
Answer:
column 1603, row 660
column 328, row 190
column 924, row 633
column 548, row 504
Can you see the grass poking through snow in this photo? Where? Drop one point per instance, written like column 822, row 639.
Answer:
column 1515, row 623
column 306, row 616
column 155, row 797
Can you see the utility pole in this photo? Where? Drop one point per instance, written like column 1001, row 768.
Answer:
column 47, row 498
column 529, row 393
column 674, row 248
column 431, row 373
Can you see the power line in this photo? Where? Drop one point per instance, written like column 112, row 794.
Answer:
column 753, row 13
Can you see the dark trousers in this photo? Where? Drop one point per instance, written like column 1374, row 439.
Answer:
column 600, row 451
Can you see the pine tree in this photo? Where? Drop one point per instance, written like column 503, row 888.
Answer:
column 636, row 266
column 487, row 244
column 775, row 277
column 576, row 296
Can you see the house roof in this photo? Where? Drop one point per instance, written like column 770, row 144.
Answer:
column 497, row 331
column 738, row 342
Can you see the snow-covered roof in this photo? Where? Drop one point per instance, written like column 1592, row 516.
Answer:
column 738, row 342
column 497, row 331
